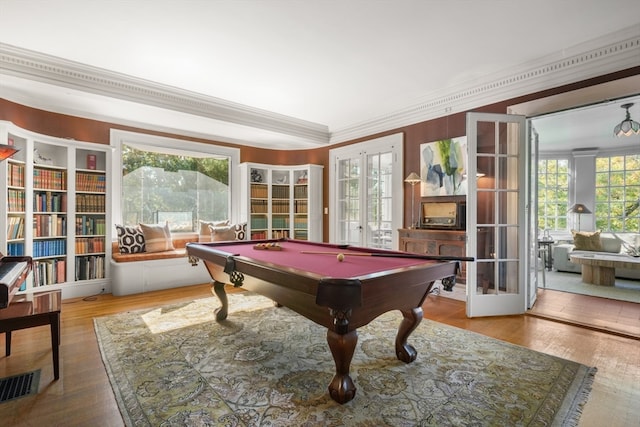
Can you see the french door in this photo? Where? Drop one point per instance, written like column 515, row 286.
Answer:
column 536, row 262
column 497, row 225
column 366, row 191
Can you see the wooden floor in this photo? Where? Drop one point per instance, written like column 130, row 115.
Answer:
column 83, row 395
column 613, row 316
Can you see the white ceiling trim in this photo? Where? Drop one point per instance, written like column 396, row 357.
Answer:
column 615, row 52
column 32, row 65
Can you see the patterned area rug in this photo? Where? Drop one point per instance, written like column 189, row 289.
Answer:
column 268, row 366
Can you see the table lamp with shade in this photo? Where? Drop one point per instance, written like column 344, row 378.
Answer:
column 579, row 209
column 413, row 179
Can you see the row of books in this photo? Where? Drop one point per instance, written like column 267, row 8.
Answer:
column 49, row 272
column 280, row 191
column 90, row 203
column 16, row 175
column 90, row 182
column 300, row 192
column 47, row 201
column 259, row 206
column 280, row 222
column 260, row 191
column 15, row 227
column 89, row 245
column 299, row 223
column 87, row 225
column 301, row 206
column 15, row 248
column 49, row 248
column 258, row 235
column 49, row 225
column 16, row 200
column 49, row 179
column 280, row 206
column 258, row 223
column 300, row 234
column 90, row 267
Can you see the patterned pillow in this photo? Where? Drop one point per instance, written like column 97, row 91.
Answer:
column 229, row 232
column 241, row 231
column 130, row 239
column 157, row 238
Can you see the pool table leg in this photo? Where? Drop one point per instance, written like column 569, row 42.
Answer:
column 341, row 388
column 221, row 312
column 411, row 319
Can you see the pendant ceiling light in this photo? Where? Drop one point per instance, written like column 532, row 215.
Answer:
column 627, row 127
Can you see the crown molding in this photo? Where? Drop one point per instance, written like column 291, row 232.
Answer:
column 48, row 69
column 615, row 52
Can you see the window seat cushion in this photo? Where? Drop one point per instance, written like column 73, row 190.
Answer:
column 179, row 251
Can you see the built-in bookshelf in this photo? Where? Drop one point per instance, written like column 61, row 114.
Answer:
column 282, row 201
column 90, row 214
column 16, row 198
column 56, row 202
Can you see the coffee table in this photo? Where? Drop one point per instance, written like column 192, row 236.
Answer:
column 601, row 269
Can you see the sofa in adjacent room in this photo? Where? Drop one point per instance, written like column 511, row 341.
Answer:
column 594, row 244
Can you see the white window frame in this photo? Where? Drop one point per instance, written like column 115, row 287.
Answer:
column 168, row 145
column 558, row 215
column 393, row 143
column 625, row 185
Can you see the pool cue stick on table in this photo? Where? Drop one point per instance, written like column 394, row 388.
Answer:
column 392, row 255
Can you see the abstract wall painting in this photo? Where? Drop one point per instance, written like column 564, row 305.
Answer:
column 443, row 167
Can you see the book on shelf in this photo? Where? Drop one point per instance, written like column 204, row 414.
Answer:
column 91, row 161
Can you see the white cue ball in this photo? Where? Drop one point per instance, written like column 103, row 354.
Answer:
column 340, row 257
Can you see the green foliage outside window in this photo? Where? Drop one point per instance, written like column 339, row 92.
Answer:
column 618, row 193
column 553, row 194
column 177, row 188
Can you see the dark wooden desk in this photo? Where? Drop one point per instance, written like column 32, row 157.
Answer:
column 30, row 310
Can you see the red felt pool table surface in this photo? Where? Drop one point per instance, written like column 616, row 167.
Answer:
column 292, row 255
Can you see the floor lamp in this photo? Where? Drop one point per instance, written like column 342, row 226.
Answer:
column 413, row 179
column 579, row 209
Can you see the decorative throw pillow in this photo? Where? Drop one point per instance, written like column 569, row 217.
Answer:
column 205, row 233
column 241, row 231
column 587, row 240
column 227, row 232
column 157, row 238
column 130, row 239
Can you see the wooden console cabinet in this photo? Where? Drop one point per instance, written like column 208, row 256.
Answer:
column 435, row 242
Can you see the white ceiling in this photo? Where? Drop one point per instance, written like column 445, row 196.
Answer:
column 335, row 67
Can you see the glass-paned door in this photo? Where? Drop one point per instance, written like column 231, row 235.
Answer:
column 378, row 233
column 537, row 255
column 496, row 215
column 348, row 182
column 366, row 178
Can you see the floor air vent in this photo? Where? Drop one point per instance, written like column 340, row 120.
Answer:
column 19, row 386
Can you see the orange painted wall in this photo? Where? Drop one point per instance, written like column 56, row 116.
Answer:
column 65, row 126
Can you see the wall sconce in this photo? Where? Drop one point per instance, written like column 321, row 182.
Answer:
column 413, row 179
column 7, row 151
column 579, row 209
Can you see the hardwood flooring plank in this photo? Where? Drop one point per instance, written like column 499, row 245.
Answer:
column 83, row 395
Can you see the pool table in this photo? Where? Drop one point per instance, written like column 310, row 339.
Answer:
column 342, row 295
